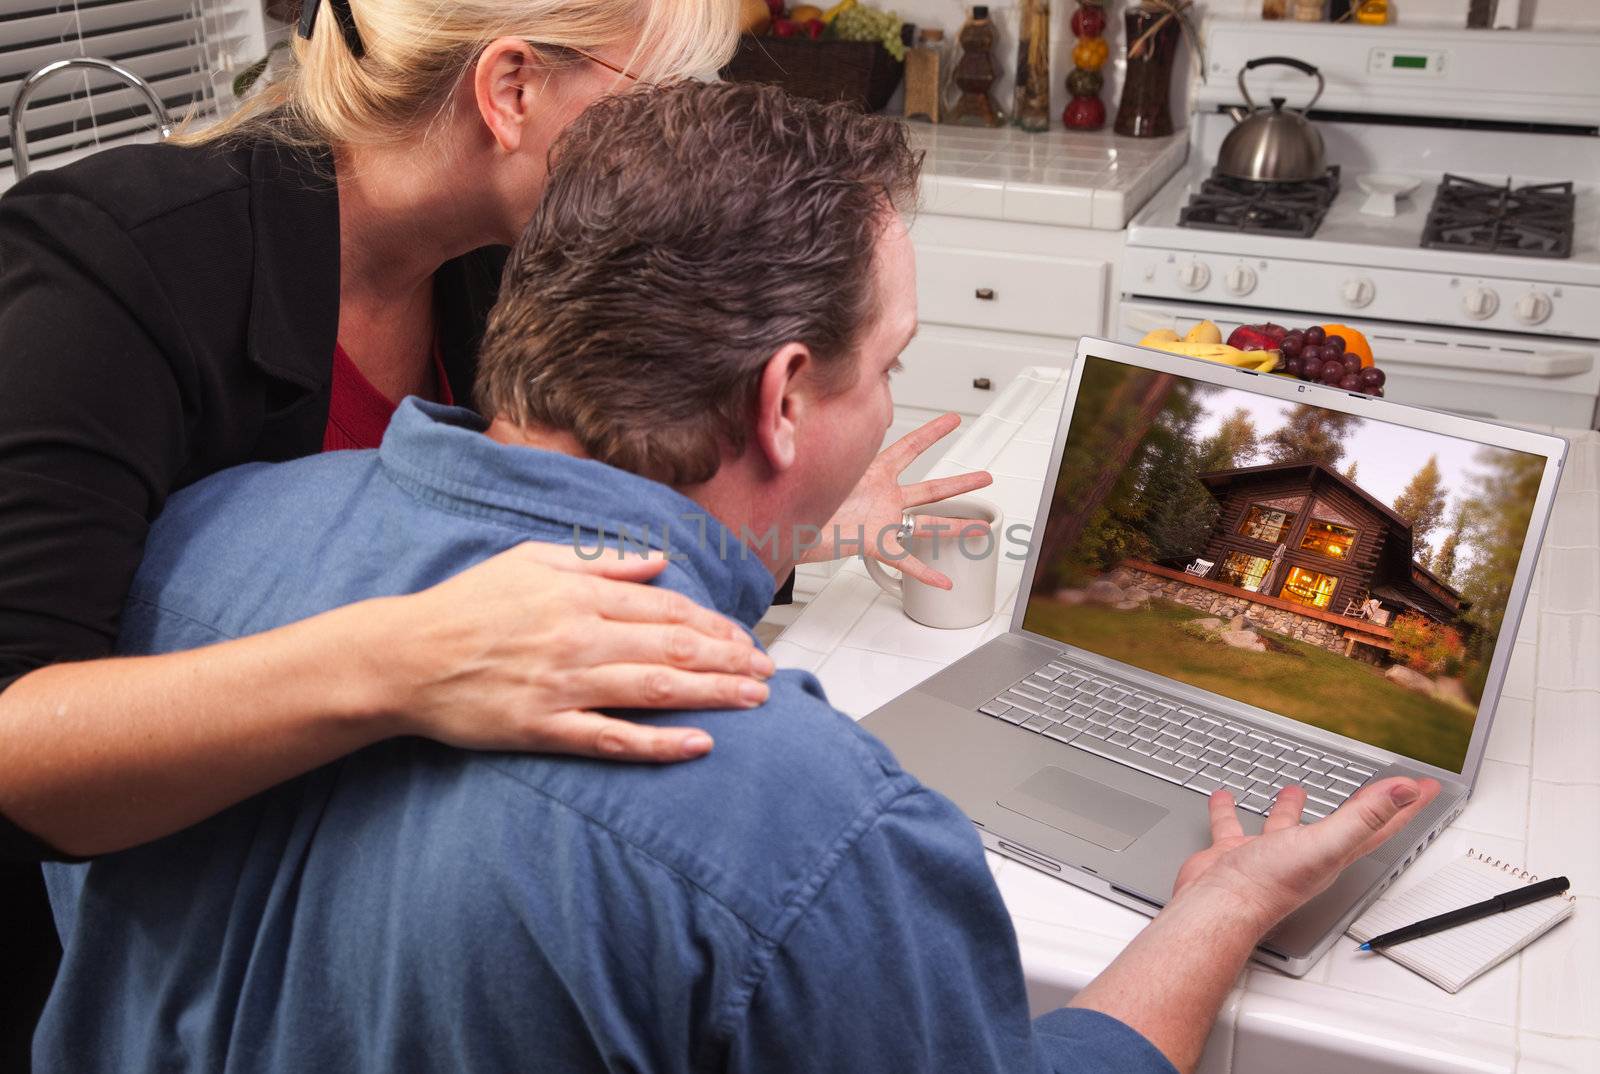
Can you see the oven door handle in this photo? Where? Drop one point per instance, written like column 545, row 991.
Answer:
column 1542, row 363
column 1135, row 319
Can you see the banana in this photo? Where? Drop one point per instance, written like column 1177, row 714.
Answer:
column 1260, row 361
column 1204, row 332
column 833, row 12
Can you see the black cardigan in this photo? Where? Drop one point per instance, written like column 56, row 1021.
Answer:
column 165, row 313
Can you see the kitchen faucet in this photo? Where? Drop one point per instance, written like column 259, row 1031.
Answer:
column 19, row 138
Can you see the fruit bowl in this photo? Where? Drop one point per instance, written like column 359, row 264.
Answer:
column 1333, row 354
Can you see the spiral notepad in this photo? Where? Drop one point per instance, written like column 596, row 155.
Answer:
column 1455, row 956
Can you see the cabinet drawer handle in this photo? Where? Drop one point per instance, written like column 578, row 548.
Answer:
column 985, row 294
column 983, row 384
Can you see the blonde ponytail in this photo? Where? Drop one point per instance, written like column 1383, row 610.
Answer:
column 416, row 52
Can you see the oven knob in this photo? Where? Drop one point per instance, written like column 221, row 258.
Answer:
column 1533, row 308
column 1480, row 303
column 1241, row 280
column 1193, row 275
column 1358, row 291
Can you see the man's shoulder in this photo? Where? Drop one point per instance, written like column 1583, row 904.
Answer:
column 248, row 531
column 757, row 824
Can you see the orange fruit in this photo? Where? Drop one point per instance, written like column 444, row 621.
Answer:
column 1090, row 53
column 1354, row 342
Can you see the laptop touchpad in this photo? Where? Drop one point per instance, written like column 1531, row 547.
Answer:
column 1079, row 806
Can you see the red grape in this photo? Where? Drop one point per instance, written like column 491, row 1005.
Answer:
column 1376, row 391
column 1315, row 335
column 1312, row 352
column 1310, row 369
column 1373, row 377
column 1332, row 372
column 1293, row 367
column 1334, row 343
column 1352, row 364
column 1350, row 383
column 1291, row 346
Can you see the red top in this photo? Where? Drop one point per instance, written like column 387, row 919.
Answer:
column 358, row 413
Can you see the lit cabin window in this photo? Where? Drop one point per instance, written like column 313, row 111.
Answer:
column 1266, row 524
column 1328, row 539
column 1309, row 587
column 1244, row 571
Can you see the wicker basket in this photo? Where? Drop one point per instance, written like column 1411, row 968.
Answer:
column 858, row 71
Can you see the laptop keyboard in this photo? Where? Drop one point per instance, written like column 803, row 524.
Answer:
column 1181, row 744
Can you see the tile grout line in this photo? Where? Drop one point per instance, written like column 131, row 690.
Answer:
column 1527, row 824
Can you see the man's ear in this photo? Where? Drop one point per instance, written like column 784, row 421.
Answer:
column 782, row 401
column 502, row 86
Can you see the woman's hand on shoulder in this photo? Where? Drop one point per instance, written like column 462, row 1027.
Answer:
column 517, row 653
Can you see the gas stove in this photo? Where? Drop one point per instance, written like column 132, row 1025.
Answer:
column 1532, row 221
column 1482, row 292
column 1227, row 204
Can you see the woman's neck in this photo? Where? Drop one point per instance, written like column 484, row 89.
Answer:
column 403, row 212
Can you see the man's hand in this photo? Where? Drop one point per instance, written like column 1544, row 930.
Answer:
column 874, row 508
column 1171, row 979
column 1276, row 872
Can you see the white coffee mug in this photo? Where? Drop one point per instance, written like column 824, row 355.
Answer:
column 968, row 559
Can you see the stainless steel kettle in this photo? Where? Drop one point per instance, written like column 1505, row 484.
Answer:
column 1273, row 145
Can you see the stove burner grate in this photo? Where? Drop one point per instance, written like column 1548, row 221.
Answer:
column 1295, row 209
column 1528, row 221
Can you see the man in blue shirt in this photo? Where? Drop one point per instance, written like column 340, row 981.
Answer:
column 693, row 347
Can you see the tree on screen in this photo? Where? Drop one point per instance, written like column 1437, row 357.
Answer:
column 1311, row 434
column 1235, row 444
column 1422, row 504
column 1444, row 560
column 1177, row 512
column 1499, row 509
column 1094, row 516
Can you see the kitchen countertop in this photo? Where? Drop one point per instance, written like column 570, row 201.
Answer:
column 1092, row 179
column 1537, row 803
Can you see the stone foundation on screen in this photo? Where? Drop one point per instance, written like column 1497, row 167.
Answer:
column 1226, row 605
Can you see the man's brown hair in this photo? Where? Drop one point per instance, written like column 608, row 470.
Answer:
column 686, row 233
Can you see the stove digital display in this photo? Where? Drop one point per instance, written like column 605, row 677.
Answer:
column 1411, row 62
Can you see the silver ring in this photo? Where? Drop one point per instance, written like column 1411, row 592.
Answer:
column 908, row 526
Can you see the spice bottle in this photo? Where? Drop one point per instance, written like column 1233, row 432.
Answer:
column 1030, row 108
column 925, row 76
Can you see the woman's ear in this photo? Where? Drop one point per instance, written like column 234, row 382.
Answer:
column 502, row 86
column 782, row 403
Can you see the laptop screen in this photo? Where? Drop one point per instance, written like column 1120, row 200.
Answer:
column 1343, row 571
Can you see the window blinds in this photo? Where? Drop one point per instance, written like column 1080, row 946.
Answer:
column 181, row 47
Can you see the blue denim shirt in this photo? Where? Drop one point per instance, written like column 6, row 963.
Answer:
column 792, row 902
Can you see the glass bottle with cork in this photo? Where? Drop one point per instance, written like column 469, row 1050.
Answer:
column 975, row 72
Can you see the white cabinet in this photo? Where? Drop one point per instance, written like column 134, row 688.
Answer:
column 994, row 297
column 1011, row 292
column 963, row 369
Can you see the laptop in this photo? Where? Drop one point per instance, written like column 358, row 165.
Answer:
column 1242, row 580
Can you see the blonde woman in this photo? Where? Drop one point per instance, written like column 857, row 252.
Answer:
column 271, row 288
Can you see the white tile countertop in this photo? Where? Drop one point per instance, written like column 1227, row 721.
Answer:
column 1538, row 803
column 1092, row 179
